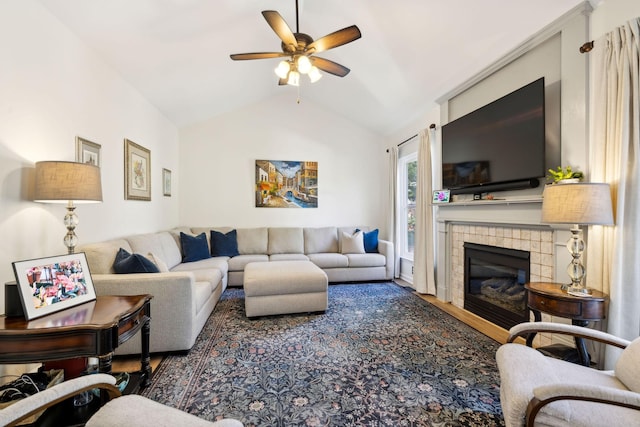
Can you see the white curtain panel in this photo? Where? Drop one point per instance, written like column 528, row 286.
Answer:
column 423, row 254
column 393, row 217
column 614, row 252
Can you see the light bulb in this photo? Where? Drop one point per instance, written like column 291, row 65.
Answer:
column 304, row 64
column 294, row 78
column 314, row 74
column 282, row 69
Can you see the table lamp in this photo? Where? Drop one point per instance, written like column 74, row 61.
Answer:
column 68, row 182
column 577, row 204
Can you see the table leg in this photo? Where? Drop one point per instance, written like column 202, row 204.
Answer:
column 585, row 359
column 145, row 333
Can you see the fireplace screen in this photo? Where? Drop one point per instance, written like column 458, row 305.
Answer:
column 494, row 283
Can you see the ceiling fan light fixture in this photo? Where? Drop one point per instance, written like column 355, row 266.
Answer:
column 314, row 74
column 282, row 70
column 304, row 64
column 294, row 78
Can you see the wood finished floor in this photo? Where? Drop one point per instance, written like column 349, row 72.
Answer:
column 131, row 364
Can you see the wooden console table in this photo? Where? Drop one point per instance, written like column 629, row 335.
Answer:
column 549, row 298
column 93, row 329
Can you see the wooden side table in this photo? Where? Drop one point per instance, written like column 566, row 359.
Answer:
column 549, row 298
column 95, row 328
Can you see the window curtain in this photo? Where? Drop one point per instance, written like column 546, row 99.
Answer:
column 613, row 252
column 393, row 216
column 423, row 253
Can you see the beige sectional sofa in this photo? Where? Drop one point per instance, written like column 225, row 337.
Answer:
column 185, row 295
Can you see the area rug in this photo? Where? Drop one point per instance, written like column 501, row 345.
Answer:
column 379, row 356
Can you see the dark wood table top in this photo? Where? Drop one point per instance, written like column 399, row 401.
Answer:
column 104, row 312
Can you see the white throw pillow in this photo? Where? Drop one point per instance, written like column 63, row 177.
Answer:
column 353, row 243
column 162, row 266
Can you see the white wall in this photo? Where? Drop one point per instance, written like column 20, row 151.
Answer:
column 218, row 159
column 612, row 13
column 53, row 88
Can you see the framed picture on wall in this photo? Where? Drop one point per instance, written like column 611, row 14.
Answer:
column 286, row 184
column 166, row 182
column 48, row 285
column 87, row 151
column 137, row 172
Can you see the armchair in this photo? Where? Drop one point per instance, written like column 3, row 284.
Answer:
column 126, row 410
column 538, row 390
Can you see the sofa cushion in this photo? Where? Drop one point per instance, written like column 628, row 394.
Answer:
column 286, row 240
column 253, row 241
column 348, row 230
column 100, row 255
column 353, row 243
column 224, row 244
column 237, row 263
column 162, row 266
column 366, row 260
column 126, row 263
column 329, row 260
column 288, row 257
column 320, row 240
column 211, row 263
column 628, row 366
column 194, row 248
column 161, row 243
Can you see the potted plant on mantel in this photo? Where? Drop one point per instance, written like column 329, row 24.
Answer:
column 564, row 175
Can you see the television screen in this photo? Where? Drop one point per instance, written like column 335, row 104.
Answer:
column 502, row 142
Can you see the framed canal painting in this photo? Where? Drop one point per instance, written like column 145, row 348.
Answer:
column 286, row 184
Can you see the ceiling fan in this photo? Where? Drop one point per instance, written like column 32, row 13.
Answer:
column 301, row 50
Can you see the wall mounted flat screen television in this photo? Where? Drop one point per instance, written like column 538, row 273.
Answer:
column 499, row 146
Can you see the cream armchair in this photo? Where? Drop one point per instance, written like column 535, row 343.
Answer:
column 130, row 410
column 536, row 390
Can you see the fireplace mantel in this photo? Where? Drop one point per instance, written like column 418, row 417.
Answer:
column 520, row 211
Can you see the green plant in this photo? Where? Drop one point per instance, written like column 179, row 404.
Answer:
column 561, row 173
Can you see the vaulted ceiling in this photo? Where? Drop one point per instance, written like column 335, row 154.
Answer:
column 176, row 52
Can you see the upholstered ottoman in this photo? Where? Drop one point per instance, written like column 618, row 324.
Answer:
column 283, row 287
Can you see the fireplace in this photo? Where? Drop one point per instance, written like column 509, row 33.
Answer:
column 494, row 279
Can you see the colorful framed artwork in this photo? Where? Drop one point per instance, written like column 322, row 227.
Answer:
column 48, row 285
column 166, row 182
column 137, row 172
column 286, row 184
column 87, row 151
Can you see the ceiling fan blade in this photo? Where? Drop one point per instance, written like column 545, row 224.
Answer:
column 330, row 66
column 282, row 82
column 280, row 27
column 335, row 39
column 257, row 55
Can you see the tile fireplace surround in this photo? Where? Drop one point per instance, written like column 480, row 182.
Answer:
column 513, row 224
column 538, row 243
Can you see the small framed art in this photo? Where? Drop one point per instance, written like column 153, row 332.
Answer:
column 48, row 285
column 166, row 182
column 87, row 151
column 137, row 172
column 441, row 196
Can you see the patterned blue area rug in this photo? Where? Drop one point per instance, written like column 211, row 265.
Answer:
column 380, row 356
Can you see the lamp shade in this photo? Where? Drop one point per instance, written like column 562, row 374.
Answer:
column 578, row 203
column 60, row 182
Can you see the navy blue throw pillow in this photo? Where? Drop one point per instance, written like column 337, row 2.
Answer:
column 224, row 244
column 194, row 248
column 370, row 241
column 126, row 263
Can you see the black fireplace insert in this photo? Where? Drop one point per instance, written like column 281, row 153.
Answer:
column 494, row 279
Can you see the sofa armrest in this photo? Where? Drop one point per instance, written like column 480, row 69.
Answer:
column 386, row 248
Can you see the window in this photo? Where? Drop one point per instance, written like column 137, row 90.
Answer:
column 408, row 170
